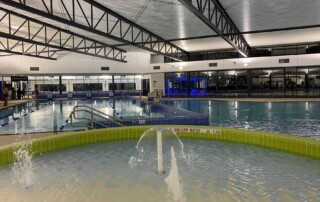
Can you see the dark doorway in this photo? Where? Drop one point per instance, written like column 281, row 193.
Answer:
column 145, row 87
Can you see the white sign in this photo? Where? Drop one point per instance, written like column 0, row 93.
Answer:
column 196, row 130
column 142, row 122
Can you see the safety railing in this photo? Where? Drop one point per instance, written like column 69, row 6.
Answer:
column 93, row 114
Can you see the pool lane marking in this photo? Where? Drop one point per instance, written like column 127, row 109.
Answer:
column 14, row 119
column 66, row 122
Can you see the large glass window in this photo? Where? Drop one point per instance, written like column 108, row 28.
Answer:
column 124, row 83
column 213, row 80
column 311, row 80
column 87, row 87
column 241, row 81
column 105, row 80
column 194, row 84
column 203, row 82
column 176, row 84
column 267, row 80
column 291, row 81
column 180, row 84
column 227, row 81
column 68, row 81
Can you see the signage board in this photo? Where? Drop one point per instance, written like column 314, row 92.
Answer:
column 19, row 78
column 196, row 130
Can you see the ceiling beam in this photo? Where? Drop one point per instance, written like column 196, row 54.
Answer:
column 102, row 21
column 17, row 47
column 213, row 15
column 25, row 54
column 34, row 31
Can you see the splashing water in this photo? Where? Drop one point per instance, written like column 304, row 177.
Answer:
column 143, row 151
column 173, row 181
column 22, row 169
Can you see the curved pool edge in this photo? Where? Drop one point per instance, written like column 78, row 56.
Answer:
column 293, row 144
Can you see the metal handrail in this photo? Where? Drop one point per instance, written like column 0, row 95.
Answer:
column 93, row 112
column 89, row 120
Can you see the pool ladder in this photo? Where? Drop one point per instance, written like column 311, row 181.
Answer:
column 94, row 113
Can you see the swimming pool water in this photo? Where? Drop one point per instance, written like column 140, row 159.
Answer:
column 42, row 116
column 296, row 118
column 218, row 171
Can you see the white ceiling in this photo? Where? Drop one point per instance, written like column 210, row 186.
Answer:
column 284, row 37
column 213, row 43
column 170, row 20
column 250, row 15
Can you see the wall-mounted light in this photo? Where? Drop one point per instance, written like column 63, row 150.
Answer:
column 181, row 68
column 245, row 64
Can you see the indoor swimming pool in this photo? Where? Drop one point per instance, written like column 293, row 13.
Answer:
column 296, row 118
column 44, row 116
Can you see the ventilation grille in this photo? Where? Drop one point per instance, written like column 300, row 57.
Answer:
column 284, row 60
column 105, row 68
column 33, row 69
column 156, row 67
column 213, row 64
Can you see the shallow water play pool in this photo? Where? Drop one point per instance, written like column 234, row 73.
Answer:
column 208, row 171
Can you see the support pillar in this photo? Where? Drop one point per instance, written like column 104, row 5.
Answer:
column 60, row 85
column 249, row 82
column 113, row 86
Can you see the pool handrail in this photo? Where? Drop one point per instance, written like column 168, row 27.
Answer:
column 94, row 113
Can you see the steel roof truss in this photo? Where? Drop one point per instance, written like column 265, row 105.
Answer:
column 108, row 23
column 37, row 32
column 23, row 48
column 213, row 15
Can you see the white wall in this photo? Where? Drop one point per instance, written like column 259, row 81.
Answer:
column 240, row 63
column 157, row 81
column 138, row 63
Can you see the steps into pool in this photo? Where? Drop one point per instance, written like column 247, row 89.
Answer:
column 167, row 115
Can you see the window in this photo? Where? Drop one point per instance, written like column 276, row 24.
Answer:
column 87, row 87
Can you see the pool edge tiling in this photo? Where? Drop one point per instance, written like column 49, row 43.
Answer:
column 293, row 144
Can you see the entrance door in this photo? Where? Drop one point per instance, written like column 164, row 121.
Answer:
column 19, row 86
column 145, row 87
